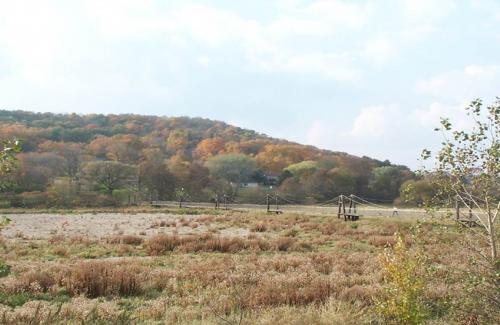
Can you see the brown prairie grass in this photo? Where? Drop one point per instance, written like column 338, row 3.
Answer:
column 103, row 278
column 360, row 294
column 327, row 273
column 296, row 289
column 125, row 239
column 381, row 241
column 55, row 239
column 33, row 281
column 284, row 243
column 60, row 251
column 259, row 227
column 207, row 242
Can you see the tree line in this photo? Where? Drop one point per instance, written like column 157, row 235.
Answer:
column 72, row 160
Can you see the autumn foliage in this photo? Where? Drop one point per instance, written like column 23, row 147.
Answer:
column 77, row 158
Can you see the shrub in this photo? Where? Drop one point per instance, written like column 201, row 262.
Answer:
column 4, row 268
column 30, row 200
column 405, row 284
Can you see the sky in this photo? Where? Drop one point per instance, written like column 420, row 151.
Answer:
column 364, row 77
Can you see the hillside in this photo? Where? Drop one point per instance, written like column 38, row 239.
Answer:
column 159, row 156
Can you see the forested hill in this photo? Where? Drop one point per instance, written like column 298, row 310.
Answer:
column 199, row 156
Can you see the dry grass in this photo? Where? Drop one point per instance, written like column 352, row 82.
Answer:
column 207, row 242
column 381, row 241
column 286, row 269
column 61, row 251
column 259, row 227
column 125, row 239
column 33, row 281
column 101, row 278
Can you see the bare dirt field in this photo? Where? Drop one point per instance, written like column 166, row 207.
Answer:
column 44, row 226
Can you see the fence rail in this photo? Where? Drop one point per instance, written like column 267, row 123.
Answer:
column 299, row 208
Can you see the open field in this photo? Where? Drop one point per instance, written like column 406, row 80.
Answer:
column 204, row 268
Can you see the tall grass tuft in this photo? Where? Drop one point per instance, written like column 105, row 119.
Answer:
column 103, row 278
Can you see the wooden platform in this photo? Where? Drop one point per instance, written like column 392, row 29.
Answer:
column 468, row 223
column 351, row 217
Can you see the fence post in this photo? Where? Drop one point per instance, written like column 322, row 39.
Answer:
column 343, row 208
column 268, row 203
column 340, row 206
column 470, row 209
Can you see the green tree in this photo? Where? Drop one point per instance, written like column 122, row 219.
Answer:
column 108, row 175
column 417, row 191
column 292, row 189
column 318, row 185
column 192, row 177
column 302, row 167
column 344, row 181
column 37, row 170
column 234, row 168
column 386, row 181
column 468, row 169
column 7, row 160
column 468, row 166
column 8, row 155
column 157, row 180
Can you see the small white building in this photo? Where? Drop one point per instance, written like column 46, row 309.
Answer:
column 249, row 185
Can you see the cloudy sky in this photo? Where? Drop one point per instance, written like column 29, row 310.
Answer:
column 366, row 77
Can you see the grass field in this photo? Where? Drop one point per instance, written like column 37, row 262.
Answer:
column 224, row 268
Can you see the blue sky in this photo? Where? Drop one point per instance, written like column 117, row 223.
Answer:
column 366, row 77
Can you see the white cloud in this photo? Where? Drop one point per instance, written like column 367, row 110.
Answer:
column 471, row 82
column 375, row 121
column 482, row 70
column 203, row 60
column 452, row 91
column 422, row 18
column 425, row 10
column 339, row 67
column 340, row 13
column 212, row 26
column 271, row 46
column 379, row 50
column 430, row 116
column 320, row 134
